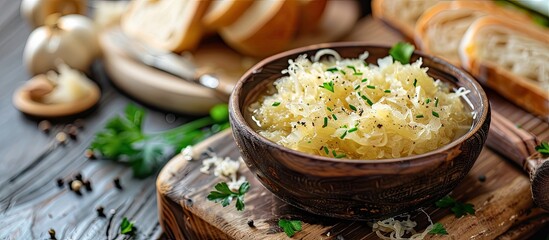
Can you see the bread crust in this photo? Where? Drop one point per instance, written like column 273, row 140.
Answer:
column 310, row 14
column 520, row 90
column 221, row 17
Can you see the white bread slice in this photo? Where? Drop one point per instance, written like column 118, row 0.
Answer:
column 266, row 28
column 440, row 29
column 401, row 14
column 310, row 14
column 222, row 13
column 172, row 25
column 511, row 58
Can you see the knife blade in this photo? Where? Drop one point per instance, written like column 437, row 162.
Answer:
column 179, row 66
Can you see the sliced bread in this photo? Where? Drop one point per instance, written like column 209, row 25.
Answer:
column 401, row 14
column 310, row 14
column 511, row 58
column 171, row 25
column 222, row 13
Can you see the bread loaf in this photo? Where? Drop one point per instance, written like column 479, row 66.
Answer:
column 171, row 25
column 511, row 58
column 310, row 14
column 222, row 13
column 440, row 29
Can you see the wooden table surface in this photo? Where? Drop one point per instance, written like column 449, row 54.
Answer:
column 30, row 201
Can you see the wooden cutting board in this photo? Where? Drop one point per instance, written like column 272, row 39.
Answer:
column 503, row 201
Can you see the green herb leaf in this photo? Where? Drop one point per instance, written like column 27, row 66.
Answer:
column 290, row 227
column 352, row 107
column 371, row 87
column 126, row 227
column 364, row 80
column 329, row 109
column 275, row 104
column 357, row 87
column 342, row 72
column 435, row 114
column 415, row 82
column 358, row 74
column 333, row 69
column 439, row 229
column 225, row 195
column 352, row 68
column 352, row 130
column 458, row 208
column 334, row 116
column 325, row 122
column 367, row 100
column 427, row 101
column 402, row 52
column 326, row 150
column 343, row 135
column 123, row 140
column 419, row 116
column 387, row 91
column 436, row 102
column 328, row 86
column 543, row 148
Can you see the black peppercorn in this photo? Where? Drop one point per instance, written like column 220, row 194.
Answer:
column 60, row 182
column 100, row 211
column 78, row 176
column 117, row 183
column 87, row 185
column 251, row 223
column 44, row 126
column 482, row 178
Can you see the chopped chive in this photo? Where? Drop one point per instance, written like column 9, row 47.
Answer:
column 352, row 67
column 359, row 94
column 334, row 116
column 371, row 87
column 367, row 100
column 328, row 86
column 334, row 153
column 436, row 102
column 357, row 74
column 387, row 91
column 325, row 122
column 427, row 101
column 309, row 141
column 344, row 126
column 419, row 116
column 365, row 64
column 340, row 156
column 329, row 109
column 343, row 135
column 435, row 114
column 415, row 82
column 352, row 107
column 352, row 130
column 275, row 104
column 357, row 87
column 342, row 72
column 333, row 69
column 364, row 80
column 326, row 150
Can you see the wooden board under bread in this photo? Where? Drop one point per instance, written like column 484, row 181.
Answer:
column 186, row 214
column 167, row 92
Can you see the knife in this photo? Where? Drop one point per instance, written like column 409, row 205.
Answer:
column 171, row 63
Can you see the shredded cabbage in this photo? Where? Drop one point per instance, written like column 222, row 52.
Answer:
column 374, row 112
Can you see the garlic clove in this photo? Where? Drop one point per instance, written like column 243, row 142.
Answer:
column 39, row 87
column 71, row 86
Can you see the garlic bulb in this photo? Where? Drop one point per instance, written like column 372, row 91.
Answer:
column 36, row 11
column 70, row 38
column 70, row 86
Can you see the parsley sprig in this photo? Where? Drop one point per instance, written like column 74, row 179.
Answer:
column 458, row 208
column 328, row 86
column 402, row 52
column 290, row 227
column 127, row 227
column 123, row 139
column 226, row 196
column 543, row 148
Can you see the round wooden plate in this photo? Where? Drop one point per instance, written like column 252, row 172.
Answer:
column 167, row 92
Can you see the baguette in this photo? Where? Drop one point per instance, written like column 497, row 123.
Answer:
column 401, row 14
column 511, row 58
column 310, row 14
column 222, row 13
column 266, row 28
column 170, row 25
column 440, row 29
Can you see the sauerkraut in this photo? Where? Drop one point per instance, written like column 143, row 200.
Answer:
column 345, row 108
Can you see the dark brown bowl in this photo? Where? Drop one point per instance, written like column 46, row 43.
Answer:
column 356, row 189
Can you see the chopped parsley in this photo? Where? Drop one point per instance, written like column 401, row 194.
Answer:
column 371, row 87
column 367, row 100
column 342, row 72
column 543, row 148
column 333, row 69
column 435, row 114
column 275, row 104
column 458, row 208
column 357, row 74
column 334, row 116
column 427, row 101
column 402, row 52
column 352, row 130
column 338, row 155
column 352, row 67
column 326, row 150
column 352, row 107
column 419, row 116
column 439, row 229
column 415, row 82
column 364, row 80
column 436, row 102
column 357, row 87
column 328, row 86
column 127, row 227
column 387, row 91
column 225, row 195
column 325, row 122
column 329, row 109
column 290, row 227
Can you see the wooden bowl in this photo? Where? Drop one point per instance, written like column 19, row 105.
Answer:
column 356, row 189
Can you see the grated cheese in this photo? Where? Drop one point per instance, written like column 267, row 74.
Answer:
column 370, row 112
